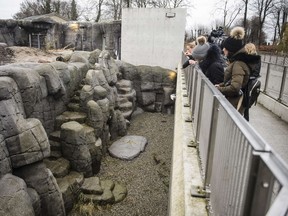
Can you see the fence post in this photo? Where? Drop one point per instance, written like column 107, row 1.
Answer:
column 259, row 189
column 283, row 83
column 267, row 78
column 200, row 110
column 211, row 146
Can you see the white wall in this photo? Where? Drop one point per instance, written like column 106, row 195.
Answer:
column 149, row 37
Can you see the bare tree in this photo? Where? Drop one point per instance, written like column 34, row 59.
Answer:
column 169, row 3
column 245, row 16
column 114, row 9
column 230, row 10
column 38, row 7
column 140, row 3
column 263, row 8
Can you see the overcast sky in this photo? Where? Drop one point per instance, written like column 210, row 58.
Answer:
column 8, row 8
column 201, row 12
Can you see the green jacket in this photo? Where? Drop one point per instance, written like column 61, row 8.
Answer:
column 236, row 76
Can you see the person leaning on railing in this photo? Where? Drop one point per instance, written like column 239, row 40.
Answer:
column 236, row 75
column 189, row 48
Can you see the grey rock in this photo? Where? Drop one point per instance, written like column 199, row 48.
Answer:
column 29, row 146
column 15, row 199
column 147, row 98
column 117, row 124
column 119, row 192
column 5, row 163
column 69, row 116
column 95, row 117
column 52, row 78
column 92, row 186
column 75, row 148
column 59, row 167
column 128, row 147
column 35, row 199
column 99, row 93
column 109, row 66
column 86, row 95
column 70, row 188
column 38, row 177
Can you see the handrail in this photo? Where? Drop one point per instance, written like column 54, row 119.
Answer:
column 242, row 174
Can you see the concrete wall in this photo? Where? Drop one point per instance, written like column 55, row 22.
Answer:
column 149, row 37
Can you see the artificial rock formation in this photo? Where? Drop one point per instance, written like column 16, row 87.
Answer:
column 57, row 122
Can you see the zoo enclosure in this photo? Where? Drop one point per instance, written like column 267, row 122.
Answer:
column 241, row 173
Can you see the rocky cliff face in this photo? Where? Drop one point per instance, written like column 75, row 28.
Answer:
column 57, row 120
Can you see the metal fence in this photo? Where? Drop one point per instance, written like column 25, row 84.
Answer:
column 274, row 81
column 241, row 173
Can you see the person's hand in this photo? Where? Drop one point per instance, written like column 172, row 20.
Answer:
column 192, row 62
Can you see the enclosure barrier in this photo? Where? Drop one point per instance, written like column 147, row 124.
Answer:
column 241, row 173
column 274, row 81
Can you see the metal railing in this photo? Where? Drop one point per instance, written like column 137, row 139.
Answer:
column 242, row 175
column 274, row 81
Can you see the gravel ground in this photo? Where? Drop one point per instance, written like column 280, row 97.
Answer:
column 146, row 176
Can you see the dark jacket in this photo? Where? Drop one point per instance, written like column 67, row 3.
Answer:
column 212, row 65
column 186, row 63
column 236, row 75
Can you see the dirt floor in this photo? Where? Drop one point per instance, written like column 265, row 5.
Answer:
column 17, row 54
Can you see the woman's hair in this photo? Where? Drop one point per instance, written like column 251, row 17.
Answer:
column 201, row 40
column 191, row 44
column 250, row 48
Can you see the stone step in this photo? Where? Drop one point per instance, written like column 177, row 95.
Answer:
column 112, row 193
column 121, row 100
column 124, row 90
column 125, row 106
column 74, row 107
column 59, row 167
column 69, row 116
column 123, row 83
column 69, row 186
column 55, row 145
column 130, row 96
column 55, row 136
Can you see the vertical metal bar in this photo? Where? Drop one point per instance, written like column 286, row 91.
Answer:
column 30, row 40
column 282, row 83
column 267, row 78
column 270, row 58
column 211, row 146
column 195, row 77
column 38, row 40
column 260, row 195
column 92, row 39
column 190, row 81
column 200, row 109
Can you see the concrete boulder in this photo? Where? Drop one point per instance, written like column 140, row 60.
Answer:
column 128, row 147
column 38, row 177
column 5, row 163
column 75, row 148
column 30, row 145
column 15, row 199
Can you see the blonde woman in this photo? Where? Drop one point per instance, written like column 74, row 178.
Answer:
column 189, row 49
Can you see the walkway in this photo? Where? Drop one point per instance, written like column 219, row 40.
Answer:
column 273, row 130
